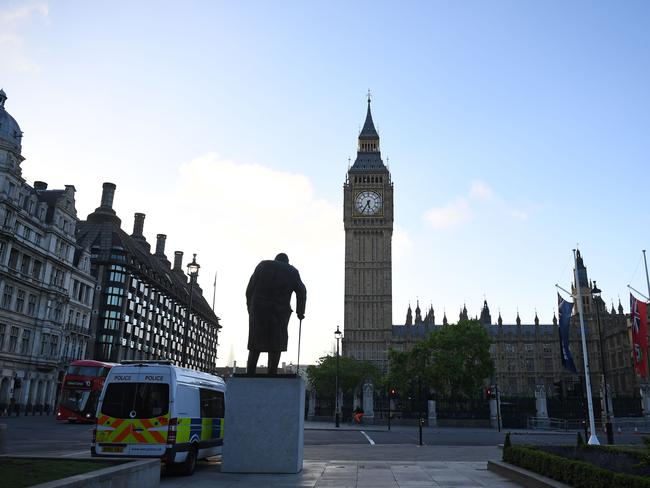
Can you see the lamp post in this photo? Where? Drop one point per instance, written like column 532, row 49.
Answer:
column 595, row 293
column 193, row 273
column 337, row 334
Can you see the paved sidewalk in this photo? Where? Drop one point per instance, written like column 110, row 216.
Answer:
column 350, row 474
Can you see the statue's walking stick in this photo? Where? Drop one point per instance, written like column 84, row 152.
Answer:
column 299, row 334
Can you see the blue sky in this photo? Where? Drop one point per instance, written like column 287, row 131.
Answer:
column 514, row 130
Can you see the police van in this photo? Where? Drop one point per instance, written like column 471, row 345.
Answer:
column 156, row 409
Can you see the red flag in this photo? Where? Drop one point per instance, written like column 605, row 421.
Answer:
column 639, row 316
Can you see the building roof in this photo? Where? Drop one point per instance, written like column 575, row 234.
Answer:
column 10, row 133
column 101, row 233
column 368, row 132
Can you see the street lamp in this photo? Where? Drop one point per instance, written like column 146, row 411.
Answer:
column 193, row 273
column 595, row 293
column 337, row 334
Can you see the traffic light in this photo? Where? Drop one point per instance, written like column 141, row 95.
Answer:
column 488, row 393
column 392, row 393
column 557, row 389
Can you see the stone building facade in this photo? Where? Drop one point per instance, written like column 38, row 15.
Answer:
column 46, row 289
column 142, row 302
column 528, row 356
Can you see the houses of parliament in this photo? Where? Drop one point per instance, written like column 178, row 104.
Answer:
column 526, row 356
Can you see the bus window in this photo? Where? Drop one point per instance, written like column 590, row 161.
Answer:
column 75, row 400
column 83, row 370
column 136, row 400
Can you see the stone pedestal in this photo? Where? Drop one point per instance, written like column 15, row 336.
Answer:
column 264, row 424
column 541, row 408
column 368, row 403
column 433, row 414
column 311, row 409
column 540, row 402
column 495, row 417
column 356, row 403
column 645, row 400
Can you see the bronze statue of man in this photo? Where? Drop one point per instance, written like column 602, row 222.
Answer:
column 268, row 298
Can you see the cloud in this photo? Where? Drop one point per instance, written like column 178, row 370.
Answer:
column 236, row 214
column 480, row 191
column 9, row 16
column 462, row 209
column 449, row 215
column 12, row 44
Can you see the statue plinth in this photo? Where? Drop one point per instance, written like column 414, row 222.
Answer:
column 264, row 424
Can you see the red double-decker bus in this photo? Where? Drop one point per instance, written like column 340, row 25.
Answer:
column 82, row 384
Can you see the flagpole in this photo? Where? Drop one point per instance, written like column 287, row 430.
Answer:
column 214, row 290
column 647, row 280
column 638, row 293
column 593, row 439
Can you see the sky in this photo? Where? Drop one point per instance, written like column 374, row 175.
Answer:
column 514, row 131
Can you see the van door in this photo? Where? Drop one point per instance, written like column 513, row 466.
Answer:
column 134, row 415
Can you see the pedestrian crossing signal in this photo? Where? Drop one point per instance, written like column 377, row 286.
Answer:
column 393, row 393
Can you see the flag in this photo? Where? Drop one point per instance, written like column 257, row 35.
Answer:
column 639, row 316
column 564, row 311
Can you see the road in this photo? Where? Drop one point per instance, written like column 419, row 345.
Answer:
column 45, row 436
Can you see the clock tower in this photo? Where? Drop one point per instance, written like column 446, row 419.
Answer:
column 368, row 223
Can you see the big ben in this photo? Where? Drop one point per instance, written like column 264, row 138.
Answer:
column 368, row 223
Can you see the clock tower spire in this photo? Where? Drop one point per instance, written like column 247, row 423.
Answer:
column 368, row 223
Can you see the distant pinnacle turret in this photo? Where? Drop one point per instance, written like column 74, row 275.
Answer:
column 463, row 313
column 536, row 318
column 444, row 318
column 620, row 307
column 431, row 315
column 500, row 320
column 554, row 319
column 518, row 318
column 418, row 313
column 486, row 318
column 409, row 316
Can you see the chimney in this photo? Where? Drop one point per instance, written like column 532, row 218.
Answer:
column 40, row 185
column 160, row 245
column 108, row 192
column 138, row 225
column 178, row 261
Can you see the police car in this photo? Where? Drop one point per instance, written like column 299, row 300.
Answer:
column 156, row 409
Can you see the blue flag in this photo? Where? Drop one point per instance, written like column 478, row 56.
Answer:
column 564, row 309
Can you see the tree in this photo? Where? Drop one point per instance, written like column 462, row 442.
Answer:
column 352, row 372
column 453, row 360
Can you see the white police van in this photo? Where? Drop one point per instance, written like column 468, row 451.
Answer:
column 156, row 409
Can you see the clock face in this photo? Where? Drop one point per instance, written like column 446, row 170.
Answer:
column 367, row 203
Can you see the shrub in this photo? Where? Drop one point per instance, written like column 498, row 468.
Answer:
column 575, row 473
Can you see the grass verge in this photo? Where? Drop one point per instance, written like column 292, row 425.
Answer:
column 18, row 472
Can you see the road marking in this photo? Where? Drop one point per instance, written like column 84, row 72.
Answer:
column 372, row 443
column 76, row 453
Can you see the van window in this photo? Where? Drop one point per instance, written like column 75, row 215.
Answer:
column 211, row 403
column 136, row 400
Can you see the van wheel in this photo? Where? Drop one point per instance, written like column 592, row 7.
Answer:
column 189, row 465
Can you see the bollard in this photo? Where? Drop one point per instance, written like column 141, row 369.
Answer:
column 421, row 424
column 3, row 438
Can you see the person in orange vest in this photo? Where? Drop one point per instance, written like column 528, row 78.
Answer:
column 358, row 415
